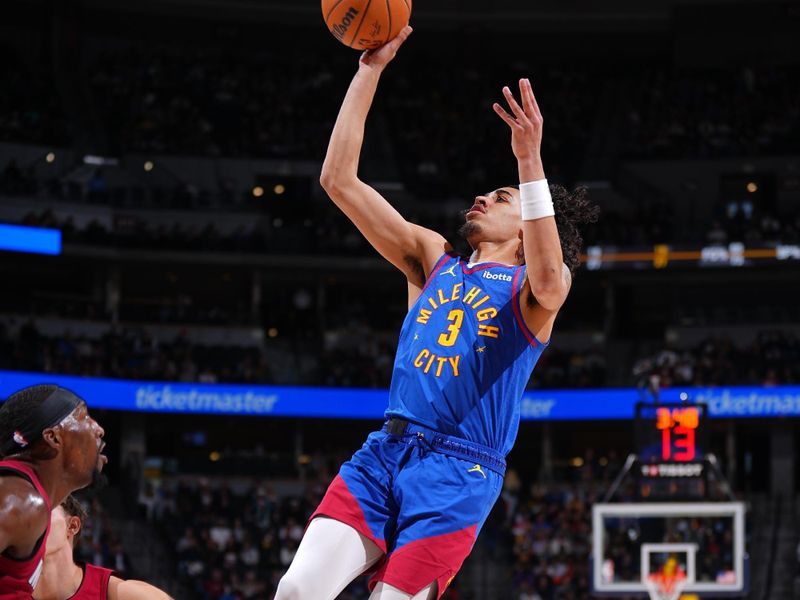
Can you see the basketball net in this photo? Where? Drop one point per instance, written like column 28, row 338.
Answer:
column 662, row 586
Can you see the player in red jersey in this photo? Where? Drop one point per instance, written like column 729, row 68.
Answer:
column 49, row 447
column 62, row 578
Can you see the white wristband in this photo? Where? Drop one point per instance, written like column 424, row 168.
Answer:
column 535, row 200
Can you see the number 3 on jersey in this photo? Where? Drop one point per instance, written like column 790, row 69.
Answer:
column 448, row 338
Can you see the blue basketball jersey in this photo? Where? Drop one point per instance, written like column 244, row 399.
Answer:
column 465, row 354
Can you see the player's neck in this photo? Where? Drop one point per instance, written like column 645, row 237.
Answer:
column 60, row 578
column 488, row 252
column 52, row 475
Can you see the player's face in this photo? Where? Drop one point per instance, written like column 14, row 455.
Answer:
column 494, row 216
column 83, row 445
column 63, row 528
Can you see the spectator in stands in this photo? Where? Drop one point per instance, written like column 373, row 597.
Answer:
column 133, row 354
column 717, row 361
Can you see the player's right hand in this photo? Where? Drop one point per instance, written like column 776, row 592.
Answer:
column 525, row 122
column 380, row 57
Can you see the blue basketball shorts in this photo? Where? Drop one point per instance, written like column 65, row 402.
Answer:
column 421, row 497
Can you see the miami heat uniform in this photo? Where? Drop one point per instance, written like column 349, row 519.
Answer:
column 422, row 487
column 94, row 585
column 19, row 577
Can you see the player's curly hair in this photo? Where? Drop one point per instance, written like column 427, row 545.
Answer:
column 573, row 209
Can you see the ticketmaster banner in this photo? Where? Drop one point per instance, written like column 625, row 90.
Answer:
column 778, row 401
column 608, row 403
column 349, row 403
column 168, row 397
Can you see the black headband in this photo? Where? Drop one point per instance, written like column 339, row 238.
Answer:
column 54, row 409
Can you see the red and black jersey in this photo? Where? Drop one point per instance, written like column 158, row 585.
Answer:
column 18, row 577
column 94, row 585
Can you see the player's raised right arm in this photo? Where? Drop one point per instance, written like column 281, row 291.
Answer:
column 405, row 245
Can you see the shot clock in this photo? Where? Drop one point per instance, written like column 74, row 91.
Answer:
column 671, row 439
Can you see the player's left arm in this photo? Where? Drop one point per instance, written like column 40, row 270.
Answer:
column 549, row 279
column 120, row 589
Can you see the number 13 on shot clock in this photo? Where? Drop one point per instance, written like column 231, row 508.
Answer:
column 671, row 432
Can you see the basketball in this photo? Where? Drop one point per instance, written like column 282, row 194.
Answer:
column 364, row 24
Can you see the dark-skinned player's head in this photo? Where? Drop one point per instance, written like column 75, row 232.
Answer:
column 495, row 217
column 48, row 422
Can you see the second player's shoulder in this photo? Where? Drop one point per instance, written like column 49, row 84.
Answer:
column 120, row 589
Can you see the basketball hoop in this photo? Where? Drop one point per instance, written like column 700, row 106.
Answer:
column 661, row 586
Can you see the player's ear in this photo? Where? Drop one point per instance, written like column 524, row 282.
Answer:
column 74, row 526
column 53, row 437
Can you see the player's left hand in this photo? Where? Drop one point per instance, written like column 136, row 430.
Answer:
column 527, row 122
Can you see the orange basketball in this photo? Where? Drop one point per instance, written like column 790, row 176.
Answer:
column 365, row 24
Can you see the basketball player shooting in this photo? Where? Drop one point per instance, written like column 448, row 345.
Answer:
column 62, row 578
column 410, row 503
column 49, row 447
